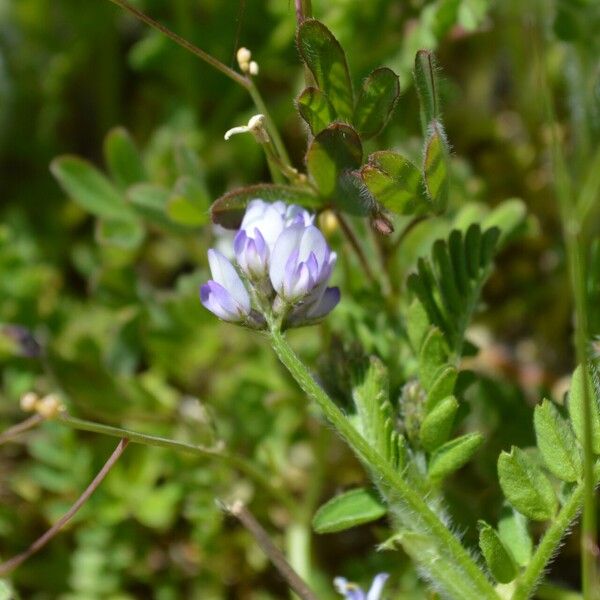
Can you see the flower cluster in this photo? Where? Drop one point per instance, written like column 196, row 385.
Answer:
column 281, row 269
column 351, row 591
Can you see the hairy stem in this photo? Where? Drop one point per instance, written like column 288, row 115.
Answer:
column 14, row 562
column 389, row 477
column 355, row 245
column 239, row 463
column 551, row 540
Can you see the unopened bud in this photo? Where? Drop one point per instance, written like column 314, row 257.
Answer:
column 29, row 401
column 382, row 224
column 328, row 222
column 253, row 68
column 243, row 58
column 49, row 406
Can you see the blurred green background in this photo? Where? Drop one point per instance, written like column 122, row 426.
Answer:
column 126, row 340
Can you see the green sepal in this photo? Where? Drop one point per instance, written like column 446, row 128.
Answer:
column 453, row 455
column 323, row 55
column 498, row 557
column 350, row 509
column 437, row 425
column 525, row 486
column 315, row 109
column 376, row 101
column 556, row 442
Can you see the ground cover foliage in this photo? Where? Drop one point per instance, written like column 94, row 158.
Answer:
column 439, row 425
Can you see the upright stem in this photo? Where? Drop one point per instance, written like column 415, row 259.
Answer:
column 388, row 475
column 569, row 201
column 527, row 582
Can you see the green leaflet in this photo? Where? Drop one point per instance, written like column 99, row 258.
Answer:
column 347, row 510
column 512, row 528
column 498, row 557
column 126, row 235
column 557, row 442
column 332, row 155
column 123, row 158
column 441, row 387
column 525, row 486
column 325, row 58
column 436, row 167
column 189, row 203
column 432, row 356
column 90, row 188
column 377, row 99
column 395, row 183
column 315, row 109
column 576, row 402
column 427, row 86
column 453, row 455
column 229, row 209
column 437, row 425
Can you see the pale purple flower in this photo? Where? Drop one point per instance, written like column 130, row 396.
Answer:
column 302, row 263
column 285, row 261
column 351, row 591
column 225, row 294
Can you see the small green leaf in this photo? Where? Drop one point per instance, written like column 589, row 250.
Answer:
column 347, row 510
column 498, row 557
column 433, row 356
column 417, row 324
column 378, row 97
column 123, row 158
column 576, row 408
column 127, row 235
column 557, row 443
column 512, row 528
column 436, row 167
column 189, row 203
column 437, row 425
column 441, row 387
column 90, row 188
column 525, row 486
column 427, row 86
column 315, row 109
column 453, row 455
column 325, row 58
column 333, row 153
column 148, row 197
column 229, row 209
column 395, row 183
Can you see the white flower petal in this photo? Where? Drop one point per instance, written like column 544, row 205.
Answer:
column 286, row 243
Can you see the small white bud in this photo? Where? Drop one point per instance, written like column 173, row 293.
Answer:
column 243, row 56
column 253, row 68
column 29, row 401
column 49, row 406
